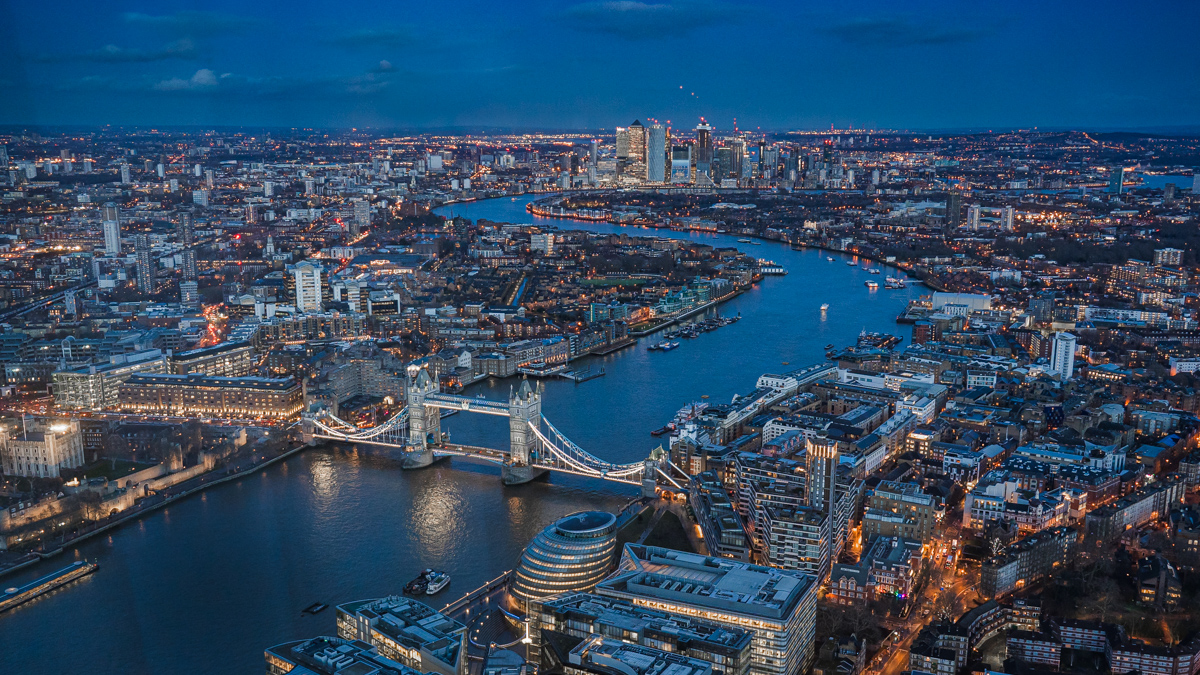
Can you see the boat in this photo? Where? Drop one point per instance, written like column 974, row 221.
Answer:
column 419, row 585
column 668, row 346
column 829, row 258
column 437, row 581
column 824, row 306
column 743, row 241
column 829, row 346
column 758, row 243
column 872, row 285
column 663, row 430
column 17, row 595
column 447, row 413
column 315, row 608
column 874, row 270
column 851, row 263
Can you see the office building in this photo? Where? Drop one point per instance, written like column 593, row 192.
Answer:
column 307, row 276
column 111, row 219
column 1062, row 356
column 97, row 387
column 704, row 149
column 778, row 606
column 656, row 154
column 227, row 359
column 197, row 395
column 407, row 631
column 40, row 448
column 331, row 656
column 599, row 655
column 1116, row 180
column 681, row 164
column 571, row 554
column 578, row 616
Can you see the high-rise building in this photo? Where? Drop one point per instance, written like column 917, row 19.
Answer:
column 308, row 286
column 268, row 189
column 778, row 606
column 594, row 152
column 70, row 303
column 1116, row 180
column 704, row 149
column 1170, row 257
column 1169, row 193
column 656, row 154
column 1062, row 355
column 362, row 217
column 185, row 228
column 1006, row 219
column 635, row 163
column 145, row 264
column 681, row 163
column 1196, row 182
column 200, row 197
column 953, row 203
column 187, row 264
column 111, row 218
column 189, row 293
column 125, row 178
column 738, row 145
column 973, row 213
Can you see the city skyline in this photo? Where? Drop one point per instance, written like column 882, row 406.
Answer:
column 770, row 66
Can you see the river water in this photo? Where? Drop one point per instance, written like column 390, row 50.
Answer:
column 205, row 585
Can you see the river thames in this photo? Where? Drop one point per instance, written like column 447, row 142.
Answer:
column 207, row 584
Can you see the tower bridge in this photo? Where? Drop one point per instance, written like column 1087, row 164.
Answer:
column 535, row 445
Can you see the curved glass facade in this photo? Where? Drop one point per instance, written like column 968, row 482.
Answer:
column 572, row 554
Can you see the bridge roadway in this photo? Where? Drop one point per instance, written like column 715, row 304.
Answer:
column 467, row 404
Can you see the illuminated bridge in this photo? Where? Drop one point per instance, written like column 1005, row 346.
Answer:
column 535, row 445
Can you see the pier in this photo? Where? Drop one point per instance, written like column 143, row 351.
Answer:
column 578, row 376
column 13, row 597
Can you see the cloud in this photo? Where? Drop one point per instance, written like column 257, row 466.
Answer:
column 191, row 22
column 901, row 32
column 180, row 49
column 374, row 37
column 634, row 20
column 203, row 80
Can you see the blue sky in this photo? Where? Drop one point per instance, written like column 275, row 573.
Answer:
column 925, row 64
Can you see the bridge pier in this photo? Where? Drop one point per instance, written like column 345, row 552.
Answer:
column 513, row 474
column 416, row 458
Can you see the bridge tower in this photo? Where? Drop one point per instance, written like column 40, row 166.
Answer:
column 424, row 421
column 524, row 409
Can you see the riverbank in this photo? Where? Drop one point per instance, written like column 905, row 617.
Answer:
column 146, row 506
column 692, row 312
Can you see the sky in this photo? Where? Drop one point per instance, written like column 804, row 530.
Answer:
column 921, row 64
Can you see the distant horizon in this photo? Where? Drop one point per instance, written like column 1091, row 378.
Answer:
column 592, row 64
column 1185, row 130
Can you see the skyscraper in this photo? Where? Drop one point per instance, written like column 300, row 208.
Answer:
column 308, row 286
column 953, row 203
column 145, row 265
column 188, row 264
column 362, row 217
column 189, row 293
column 1196, row 182
column 738, row 147
column 681, row 163
column 1062, row 356
column 704, row 149
column 973, row 213
column 184, row 229
column 125, row 179
column 656, row 154
column 636, row 159
column 594, row 152
column 111, row 217
column 1116, row 180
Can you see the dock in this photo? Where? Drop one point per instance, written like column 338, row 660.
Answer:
column 578, row 376
column 13, row 597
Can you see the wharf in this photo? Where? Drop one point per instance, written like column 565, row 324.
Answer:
column 578, row 376
column 13, row 597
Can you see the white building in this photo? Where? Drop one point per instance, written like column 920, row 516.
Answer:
column 1062, row 356
column 308, row 286
column 41, row 450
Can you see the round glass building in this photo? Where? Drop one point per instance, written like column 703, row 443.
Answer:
column 572, row 554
